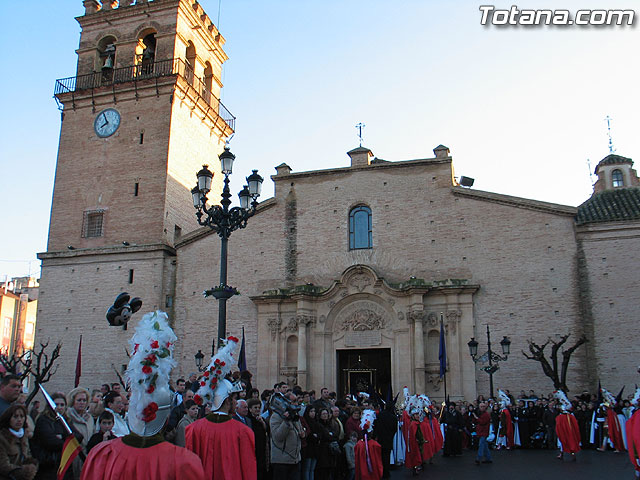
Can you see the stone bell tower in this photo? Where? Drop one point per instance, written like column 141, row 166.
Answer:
column 139, row 118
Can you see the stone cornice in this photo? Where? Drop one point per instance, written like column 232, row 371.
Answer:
column 376, row 166
column 107, row 250
column 517, row 202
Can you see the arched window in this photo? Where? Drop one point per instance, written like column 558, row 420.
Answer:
column 107, row 57
column 360, row 234
column 291, row 354
column 208, row 78
column 146, row 52
column 191, row 62
column 617, row 178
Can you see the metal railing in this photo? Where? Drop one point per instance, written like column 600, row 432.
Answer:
column 135, row 73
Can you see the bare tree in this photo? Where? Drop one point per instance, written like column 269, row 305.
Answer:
column 17, row 364
column 41, row 366
column 550, row 365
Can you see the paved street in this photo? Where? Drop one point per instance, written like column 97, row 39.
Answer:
column 527, row 465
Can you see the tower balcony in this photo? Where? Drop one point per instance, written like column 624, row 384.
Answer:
column 141, row 75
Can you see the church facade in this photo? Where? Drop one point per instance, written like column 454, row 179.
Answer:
column 347, row 274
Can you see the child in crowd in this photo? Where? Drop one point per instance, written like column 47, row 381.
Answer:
column 105, row 421
column 349, row 451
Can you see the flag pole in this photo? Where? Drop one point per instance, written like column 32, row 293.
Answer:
column 443, row 355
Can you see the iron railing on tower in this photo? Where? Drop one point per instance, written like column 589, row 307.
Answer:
column 135, row 73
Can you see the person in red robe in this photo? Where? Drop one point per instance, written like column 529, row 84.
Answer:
column 413, row 439
column 368, row 451
column 226, row 447
column 135, row 456
column 144, row 453
column 633, row 434
column 613, row 423
column 505, row 431
column 567, row 428
column 437, row 432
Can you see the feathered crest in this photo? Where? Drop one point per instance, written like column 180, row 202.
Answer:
column 219, row 367
column 426, row 401
column 503, row 398
column 150, row 364
column 607, row 398
column 565, row 404
column 635, row 401
column 416, row 404
column 367, row 419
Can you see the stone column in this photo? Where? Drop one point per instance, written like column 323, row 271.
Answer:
column 302, row 351
column 416, row 317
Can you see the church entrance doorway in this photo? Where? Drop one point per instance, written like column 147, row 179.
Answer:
column 364, row 371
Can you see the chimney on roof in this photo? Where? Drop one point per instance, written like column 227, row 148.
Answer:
column 441, row 151
column 360, row 156
column 283, row 169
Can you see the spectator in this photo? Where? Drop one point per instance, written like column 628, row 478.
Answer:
column 323, row 401
column 10, row 389
column 242, row 413
column 105, row 389
column 80, row 421
column 353, row 423
column 349, row 451
column 48, row 440
column 116, row 387
column 15, row 458
column 483, row 422
column 191, row 415
column 286, row 443
column 192, row 383
column 310, row 443
column 261, row 434
column 35, row 410
column 105, row 424
column 177, row 396
column 96, row 407
column 327, row 452
column 113, row 403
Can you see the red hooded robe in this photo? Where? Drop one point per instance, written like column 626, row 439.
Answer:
column 161, row 461
column 375, row 457
column 438, row 440
column 226, row 447
column 568, row 432
column 615, row 433
column 413, row 455
column 633, row 439
column 507, row 425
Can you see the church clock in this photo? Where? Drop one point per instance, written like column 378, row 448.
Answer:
column 107, row 122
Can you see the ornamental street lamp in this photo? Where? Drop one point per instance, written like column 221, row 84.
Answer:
column 490, row 357
column 199, row 357
column 224, row 220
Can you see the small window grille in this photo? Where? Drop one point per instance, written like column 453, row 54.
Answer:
column 93, row 225
column 617, row 178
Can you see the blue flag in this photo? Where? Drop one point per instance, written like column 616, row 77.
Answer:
column 242, row 359
column 443, row 352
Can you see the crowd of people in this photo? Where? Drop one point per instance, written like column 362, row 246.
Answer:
column 216, row 425
column 310, row 436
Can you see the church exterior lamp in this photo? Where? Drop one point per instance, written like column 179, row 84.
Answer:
column 224, row 220
column 490, row 357
column 199, row 357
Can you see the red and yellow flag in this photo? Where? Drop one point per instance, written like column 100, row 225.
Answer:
column 70, row 451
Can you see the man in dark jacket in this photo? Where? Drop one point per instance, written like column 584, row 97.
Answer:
column 549, row 420
column 384, row 428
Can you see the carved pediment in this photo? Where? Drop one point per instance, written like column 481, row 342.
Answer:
column 362, row 315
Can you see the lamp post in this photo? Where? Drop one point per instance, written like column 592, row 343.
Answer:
column 490, row 357
column 224, row 220
column 199, row 357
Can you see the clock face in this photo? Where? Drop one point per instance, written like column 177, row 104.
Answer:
column 106, row 123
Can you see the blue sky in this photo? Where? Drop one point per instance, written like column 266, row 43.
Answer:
column 522, row 109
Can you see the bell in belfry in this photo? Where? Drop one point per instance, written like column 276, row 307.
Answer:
column 108, row 63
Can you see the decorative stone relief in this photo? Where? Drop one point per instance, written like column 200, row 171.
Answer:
column 305, row 319
column 432, row 319
column 415, row 316
column 435, row 381
column 322, row 318
column 400, row 316
column 362, row 315
column 274, row 326
column 360, row 281
column 292, row 326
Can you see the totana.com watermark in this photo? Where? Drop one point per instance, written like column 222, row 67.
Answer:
column 513, row 16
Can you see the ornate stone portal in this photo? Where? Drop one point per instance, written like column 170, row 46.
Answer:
column 303, row 332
